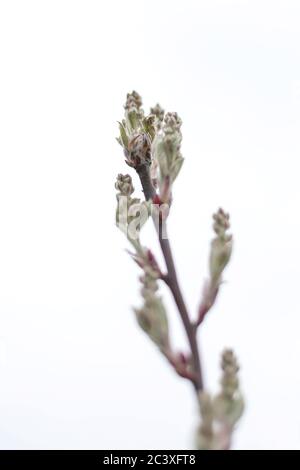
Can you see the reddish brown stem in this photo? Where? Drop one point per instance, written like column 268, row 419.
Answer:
column 171, row 279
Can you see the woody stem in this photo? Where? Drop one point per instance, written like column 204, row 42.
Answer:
column 171, row 278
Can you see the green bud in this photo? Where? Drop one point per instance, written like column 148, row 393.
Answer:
column 220, row 254
column 124, row 185
column 229, row 404
column 158, row 112
column 139, row 150
column 152, row 318
column 133, row 100
column 221, row 246
column 166, row 151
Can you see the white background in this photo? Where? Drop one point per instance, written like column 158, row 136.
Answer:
column 75, row 370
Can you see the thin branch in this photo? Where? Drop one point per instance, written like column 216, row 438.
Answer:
column 143, row 171
column 171, row 279
column 172, row 282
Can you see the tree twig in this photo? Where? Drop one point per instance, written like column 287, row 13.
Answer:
column 171, row 278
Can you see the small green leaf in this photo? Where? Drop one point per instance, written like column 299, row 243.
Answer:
column 123, row 139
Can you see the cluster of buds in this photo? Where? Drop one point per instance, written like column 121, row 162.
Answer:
column 221, row 246
column 134, row 103
column 166, row 151
column 219, row 415
column 159, row 113
column 220, row 253
column 229, row 404
column 136, row 132
column 124, row 185
column 153, row 142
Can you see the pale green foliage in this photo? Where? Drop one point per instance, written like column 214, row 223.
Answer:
column 229, row 403
column 166, row 151
column 221, row 246
column 221, row 413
